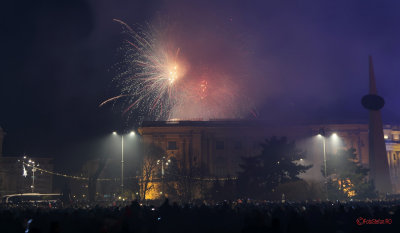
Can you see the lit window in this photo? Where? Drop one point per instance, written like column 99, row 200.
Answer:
column 386, row 137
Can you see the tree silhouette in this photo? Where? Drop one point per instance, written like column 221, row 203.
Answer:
column 182, row 183
column 347, row 178
column 152, row 154
column 275, row 165
column 93, row 169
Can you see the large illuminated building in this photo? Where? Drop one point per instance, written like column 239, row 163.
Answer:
column 217, row 146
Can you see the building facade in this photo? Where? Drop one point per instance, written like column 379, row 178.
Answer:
column 213, row 146
column 392, row 141
column 217, row 146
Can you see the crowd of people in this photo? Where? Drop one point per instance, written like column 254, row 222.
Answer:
column 236, row 216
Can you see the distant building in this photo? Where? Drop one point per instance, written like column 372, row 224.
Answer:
column 392, row 141
column 214, row 146
column 217, row 146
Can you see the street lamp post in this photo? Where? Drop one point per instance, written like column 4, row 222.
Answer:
column 324, row 146
column 122, row 160
column 122, row 164
column 33, row 179
column 162, row 161
column 30, row 163
column 322, row 134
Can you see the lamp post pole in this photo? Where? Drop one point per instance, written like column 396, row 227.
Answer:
column 122, row 164
column 30, row 163
column 322, row 133
column 33, row 179
column 162, row 161
column 326, row 177
column 162, row 176
column 132, row 133
column 324, row 146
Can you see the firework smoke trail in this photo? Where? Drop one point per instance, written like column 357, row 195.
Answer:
column 215, row 99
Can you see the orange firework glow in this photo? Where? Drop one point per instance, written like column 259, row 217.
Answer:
column 203, row 89
column 173, row 74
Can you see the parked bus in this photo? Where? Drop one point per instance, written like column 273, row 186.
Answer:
column 31, row 198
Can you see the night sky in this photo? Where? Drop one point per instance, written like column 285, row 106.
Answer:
column 299, row 61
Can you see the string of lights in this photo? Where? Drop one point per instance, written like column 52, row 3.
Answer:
column 117, row 179
column 56, row 173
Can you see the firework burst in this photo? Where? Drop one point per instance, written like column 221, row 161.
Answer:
column 156, row 83
column 151, row 72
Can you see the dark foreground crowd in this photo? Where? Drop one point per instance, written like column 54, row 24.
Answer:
column 377, row 216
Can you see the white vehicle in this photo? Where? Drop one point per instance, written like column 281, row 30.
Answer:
column 31, row 198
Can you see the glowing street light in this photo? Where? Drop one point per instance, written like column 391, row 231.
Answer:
column 30, row 163
column 322, row 134
column 167, row 162
column 132, row 133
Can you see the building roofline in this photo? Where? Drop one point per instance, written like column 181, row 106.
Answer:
column 197, row 123
column 235, row 122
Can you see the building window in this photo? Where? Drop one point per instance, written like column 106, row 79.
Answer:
column 219, row 145
column 238, row 145
column 394, row 156
column 172, row 145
